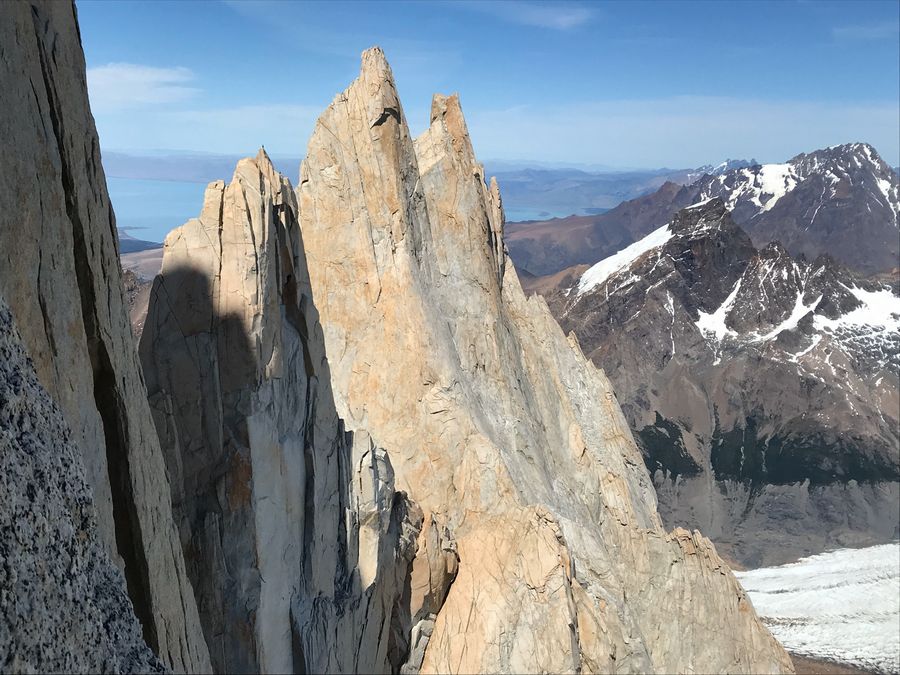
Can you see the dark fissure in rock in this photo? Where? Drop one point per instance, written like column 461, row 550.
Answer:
column 106, row 393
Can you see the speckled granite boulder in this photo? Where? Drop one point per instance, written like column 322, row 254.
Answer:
column 63, row 605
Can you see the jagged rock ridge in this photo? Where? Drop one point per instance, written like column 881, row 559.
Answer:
column 841, row 201
column 297, row 544
column 495, row 424
column 60, row 277
column 529, row 497
column 773, row 376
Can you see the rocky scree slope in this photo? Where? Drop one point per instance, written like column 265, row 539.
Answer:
column 842, row 201
column 497, row 427
column 60, row 277
column 763, row 388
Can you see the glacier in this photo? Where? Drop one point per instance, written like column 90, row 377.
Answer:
column 841, row 606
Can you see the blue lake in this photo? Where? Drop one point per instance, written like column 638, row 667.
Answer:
column 150, row 209
column 516, row 214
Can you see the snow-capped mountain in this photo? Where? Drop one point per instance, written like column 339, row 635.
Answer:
column 719, row 169
column 763, row 387
column 842, row 201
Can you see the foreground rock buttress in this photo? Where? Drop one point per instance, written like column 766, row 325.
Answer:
column 60, row 591
column 496, row 425
column 59, row 275
column 297, row 544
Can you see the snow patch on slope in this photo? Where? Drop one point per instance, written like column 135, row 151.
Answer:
column 800, row 310
column 699, row 204
column 763, row 185
column 885, row 187
column 843, row 605
column 880, row 310
column 604, row 269
column 775, row 180
column 714, row 325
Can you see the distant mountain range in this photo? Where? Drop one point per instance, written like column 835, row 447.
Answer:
column 546, row 192
column 129, row 244
column 182, row 166
column 762, row 387
column 841, row 200
column 535, row 189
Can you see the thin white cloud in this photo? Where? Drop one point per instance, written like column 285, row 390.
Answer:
column 120, row 86
column 553, row 15
column 413, row 59
column 680, row 131
column 281, row 128
column 867, row 32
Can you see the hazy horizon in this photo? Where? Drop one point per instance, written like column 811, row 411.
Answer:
column 622, row 85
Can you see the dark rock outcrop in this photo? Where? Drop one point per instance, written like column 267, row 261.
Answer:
column 763, row 388
column 63, row 605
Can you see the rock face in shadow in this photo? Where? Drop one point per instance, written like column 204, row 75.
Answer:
column 63, row 607
column 59, row 274
column 298, row 546
column 509, row 440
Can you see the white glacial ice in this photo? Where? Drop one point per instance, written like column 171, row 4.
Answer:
column 604, row 269
column 800, row 310
column 879, row 310
column 775, row 180
column 714, row 324
column 843, row 605
column 763, row 186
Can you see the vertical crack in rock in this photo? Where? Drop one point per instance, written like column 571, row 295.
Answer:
column 109, row 405
column 64, row 286
column 454, row 489
column 297, row 542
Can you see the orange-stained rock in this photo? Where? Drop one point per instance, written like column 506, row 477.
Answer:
column 494, row 422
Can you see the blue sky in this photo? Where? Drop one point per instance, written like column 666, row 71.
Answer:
column 623, row 84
